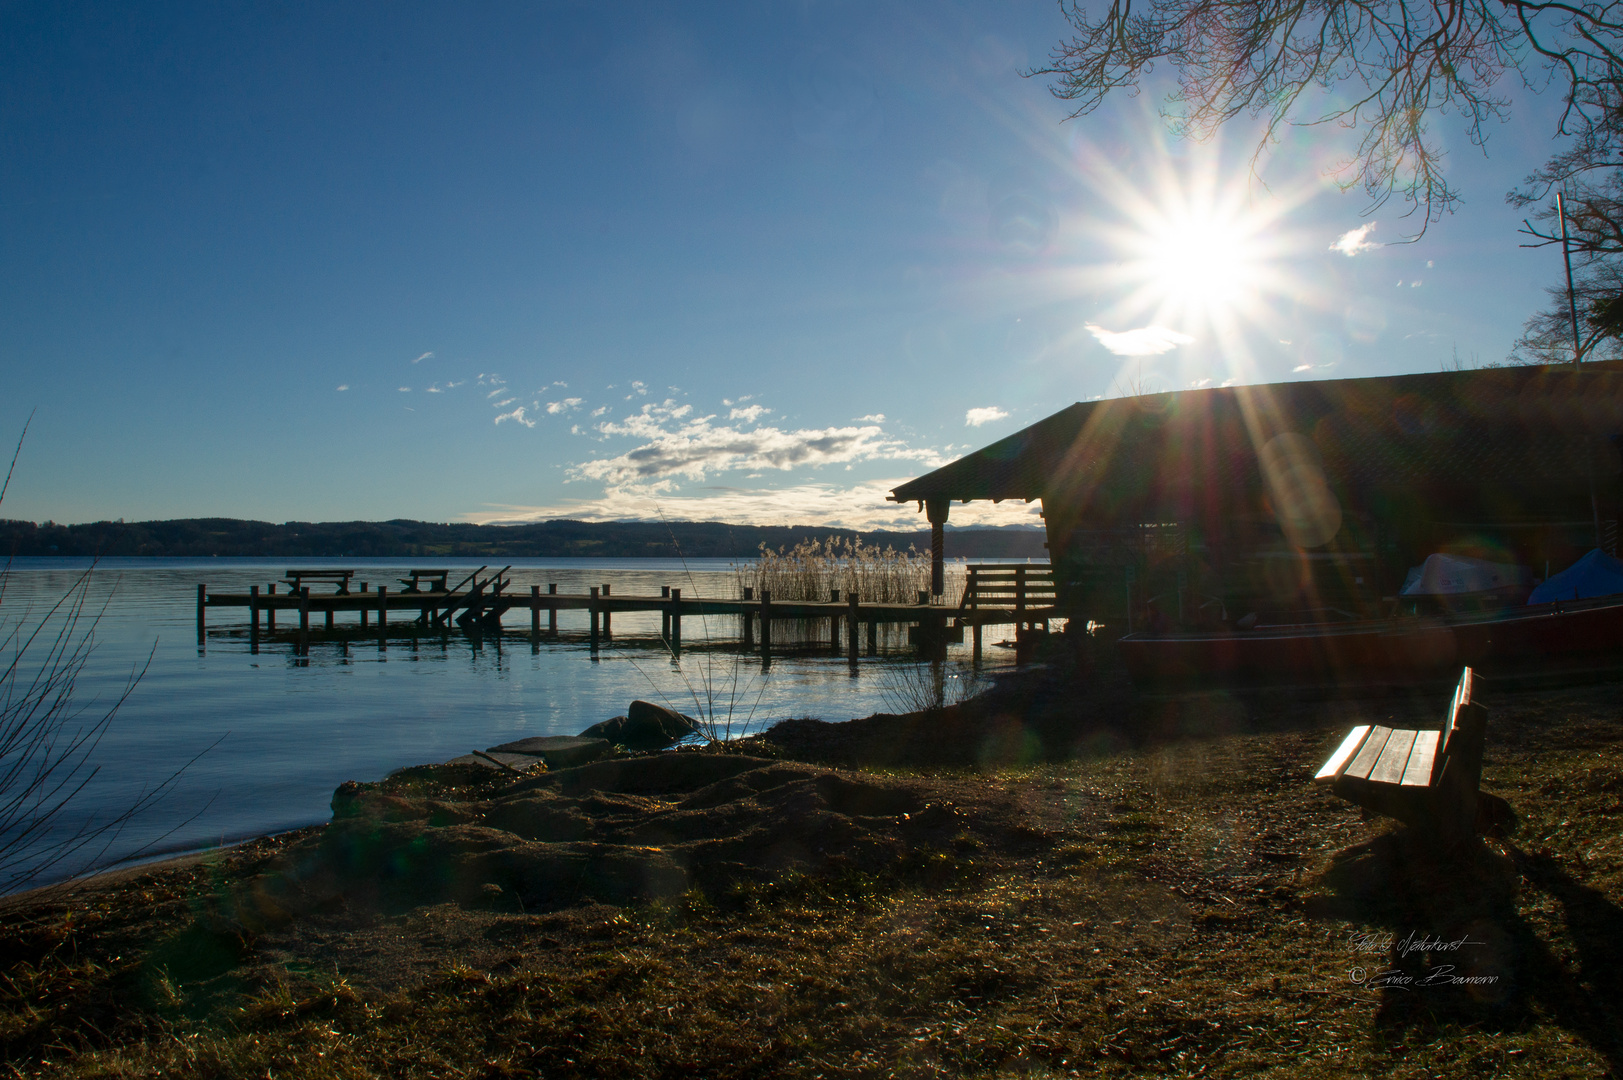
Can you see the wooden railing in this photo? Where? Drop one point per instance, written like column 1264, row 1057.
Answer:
column 1019, row 587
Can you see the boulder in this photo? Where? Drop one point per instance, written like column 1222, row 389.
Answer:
column 645, row 726
column 558, row 751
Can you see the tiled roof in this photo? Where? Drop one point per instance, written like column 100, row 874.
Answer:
column 1499, row 427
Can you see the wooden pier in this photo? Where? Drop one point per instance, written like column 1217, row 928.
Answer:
column 996, row 596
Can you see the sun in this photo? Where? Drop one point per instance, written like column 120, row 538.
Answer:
column 1202, row 264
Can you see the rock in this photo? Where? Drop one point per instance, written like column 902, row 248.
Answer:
column 558, row 751
column 512, row 761
column 644, row 727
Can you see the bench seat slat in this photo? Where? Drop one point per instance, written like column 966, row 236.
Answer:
column 1368, row 754
column 1338, row 760
column 1422, row 759
column 1394, row 757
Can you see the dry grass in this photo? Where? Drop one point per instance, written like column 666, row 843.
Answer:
column 1177, row 899
column 810, row 570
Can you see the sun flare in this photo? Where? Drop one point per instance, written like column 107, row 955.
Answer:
column 1202, row 264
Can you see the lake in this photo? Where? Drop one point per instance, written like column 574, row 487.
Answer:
column 273, row 734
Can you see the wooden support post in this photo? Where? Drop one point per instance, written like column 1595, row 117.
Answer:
column 329, row 618
column 766, row 626
column 851, row 628
column 552, row 612
column 592, row 607
column 935, row 510
column 665, row 615
column 304, row 620
column 676, row 620
column 608, row 627
column 973, row 595
column 834, row 623
column 383, row 616
column 535, row 611
column 202, row 598
column 366, row 616
column 873, row 636
column 253, row 618
column 270, row 611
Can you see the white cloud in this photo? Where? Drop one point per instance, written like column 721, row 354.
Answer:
column 344, row 386
column 404, row 389
column 1145, row 341
column 984, row 415
column 872, row 418
column 639, row 386
column 1353, row 242
column 749, row 413
column 435, row 389
column 861, row 506
column 556, row 407
column 600, row 410
column 516, row 414
column 425, row 356
column 1302, row 367
column 454, row 385
column 674, row 446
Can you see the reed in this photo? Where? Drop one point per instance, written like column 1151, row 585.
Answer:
column 813, row 569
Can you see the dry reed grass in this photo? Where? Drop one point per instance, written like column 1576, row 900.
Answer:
column 812, row 569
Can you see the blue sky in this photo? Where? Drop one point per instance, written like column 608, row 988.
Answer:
column 754, row 262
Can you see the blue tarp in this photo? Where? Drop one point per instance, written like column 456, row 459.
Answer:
column 1596, row 574
column 1456, row 575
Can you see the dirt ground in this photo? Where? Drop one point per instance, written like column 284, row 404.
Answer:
column 1061, row 876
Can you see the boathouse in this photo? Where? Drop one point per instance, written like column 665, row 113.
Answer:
column 1305, row 501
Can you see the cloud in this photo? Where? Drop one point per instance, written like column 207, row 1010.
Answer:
column 556, row 407
column 860, row 506
column 404, row 389
column 518, row 415
column 1353, row 242
column 1302, row 367
column 640, row 387
column 425, row 356
column 345, row 386
column 675, row 446
column 872, row 418
column 1145, row 341
column 503, row 403
column 749, row 413
column 984, row 415
column 600, row 410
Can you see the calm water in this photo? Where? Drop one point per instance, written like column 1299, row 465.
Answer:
column 277, row 733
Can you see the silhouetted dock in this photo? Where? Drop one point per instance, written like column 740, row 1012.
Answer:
column 481, row 600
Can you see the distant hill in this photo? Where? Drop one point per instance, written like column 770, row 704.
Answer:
column 422, row 539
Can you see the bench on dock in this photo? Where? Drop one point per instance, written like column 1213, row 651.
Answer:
column 296, row 578
column 1426, row 779
column 413, row 581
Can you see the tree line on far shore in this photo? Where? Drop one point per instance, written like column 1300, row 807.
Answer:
column 205, row 537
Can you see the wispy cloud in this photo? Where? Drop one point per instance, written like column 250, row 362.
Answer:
column 518, row 415
column 425, row 356
column 1355, row 241
column 567, row 404
column 676, row 445
column 502, row 404
column 872, row 418
column 859, row 506
column 984, row 415
column 343, row 387
column 404, row 389
column 1145, row 341
column 749, row 413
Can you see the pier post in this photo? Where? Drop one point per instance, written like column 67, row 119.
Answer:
column 676, row 621
column 608, row 627
column 383, row 616
column 592, row 607
column 665, row 615
column 253, row 618
column 851, row 628
column 366, row 616
column 329, row 618
column 834, row 624
column 749, row 619
column 304, row 620
column 270, row 611
column 766, row 626
column 535, row 611
column 552, row 612
column 873, row 636
column 202, row 598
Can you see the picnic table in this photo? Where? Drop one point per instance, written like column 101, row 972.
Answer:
column 413, row 581
column 296, row 578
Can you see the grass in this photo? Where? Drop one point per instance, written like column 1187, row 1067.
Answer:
column 812, row 569
column 1179, row 902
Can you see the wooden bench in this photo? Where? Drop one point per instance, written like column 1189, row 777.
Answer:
column 413, row 581
column 1426, row 779
column 296, row 578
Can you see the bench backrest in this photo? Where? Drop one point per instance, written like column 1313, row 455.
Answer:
column 1465, row 729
